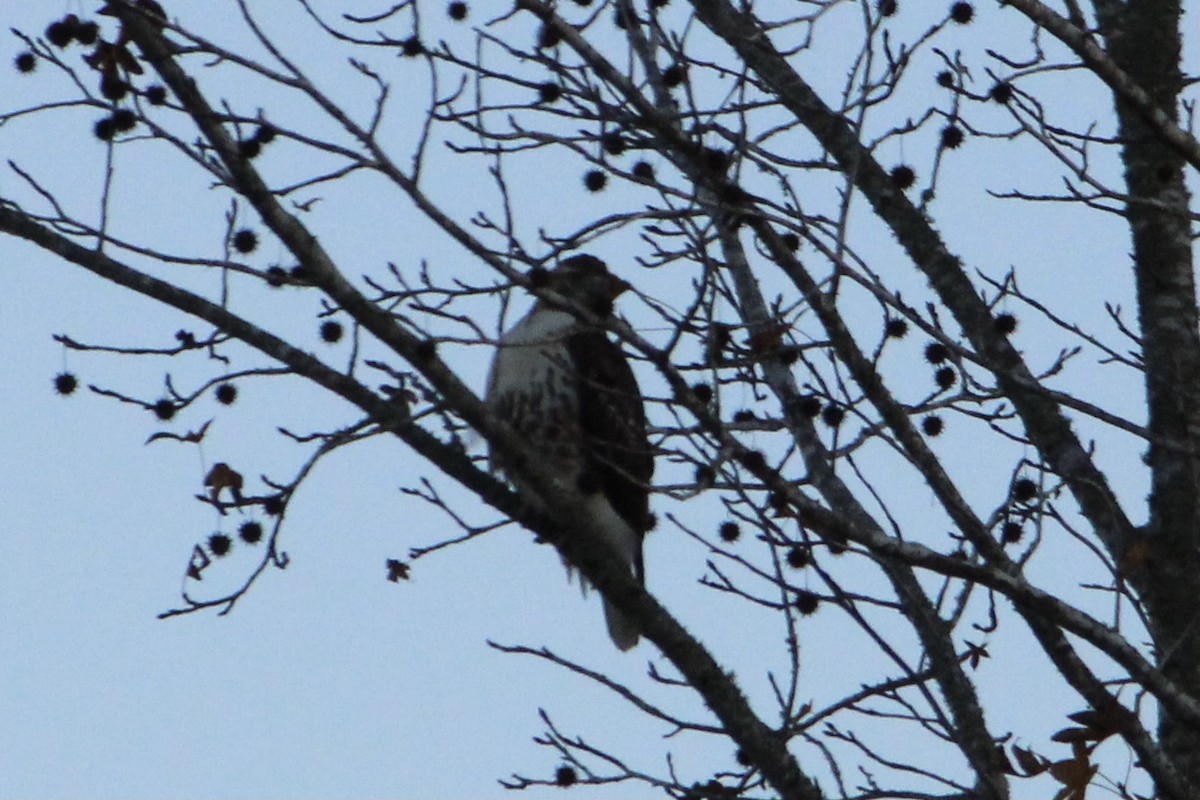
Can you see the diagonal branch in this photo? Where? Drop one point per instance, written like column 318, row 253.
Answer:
column 583, row 547
column 1048, row 429
column 1102, row 65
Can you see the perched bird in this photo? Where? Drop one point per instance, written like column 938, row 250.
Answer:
column 570, row 393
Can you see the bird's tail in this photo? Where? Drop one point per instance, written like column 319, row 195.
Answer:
column 623, row 632
column 626, row 543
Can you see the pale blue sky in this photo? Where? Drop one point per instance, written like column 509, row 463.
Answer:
column 326, row 680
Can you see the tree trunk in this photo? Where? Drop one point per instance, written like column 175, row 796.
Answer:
column 1144, row 39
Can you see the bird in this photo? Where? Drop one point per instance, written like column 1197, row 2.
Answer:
column 571, row 394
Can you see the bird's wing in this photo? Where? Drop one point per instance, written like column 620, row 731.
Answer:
column 612, row 415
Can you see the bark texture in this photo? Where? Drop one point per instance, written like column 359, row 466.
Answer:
column 1143, row 39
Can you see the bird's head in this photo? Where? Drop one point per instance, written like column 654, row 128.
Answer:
column 585, row 280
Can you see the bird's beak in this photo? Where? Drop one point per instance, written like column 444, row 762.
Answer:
column 616, row 287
